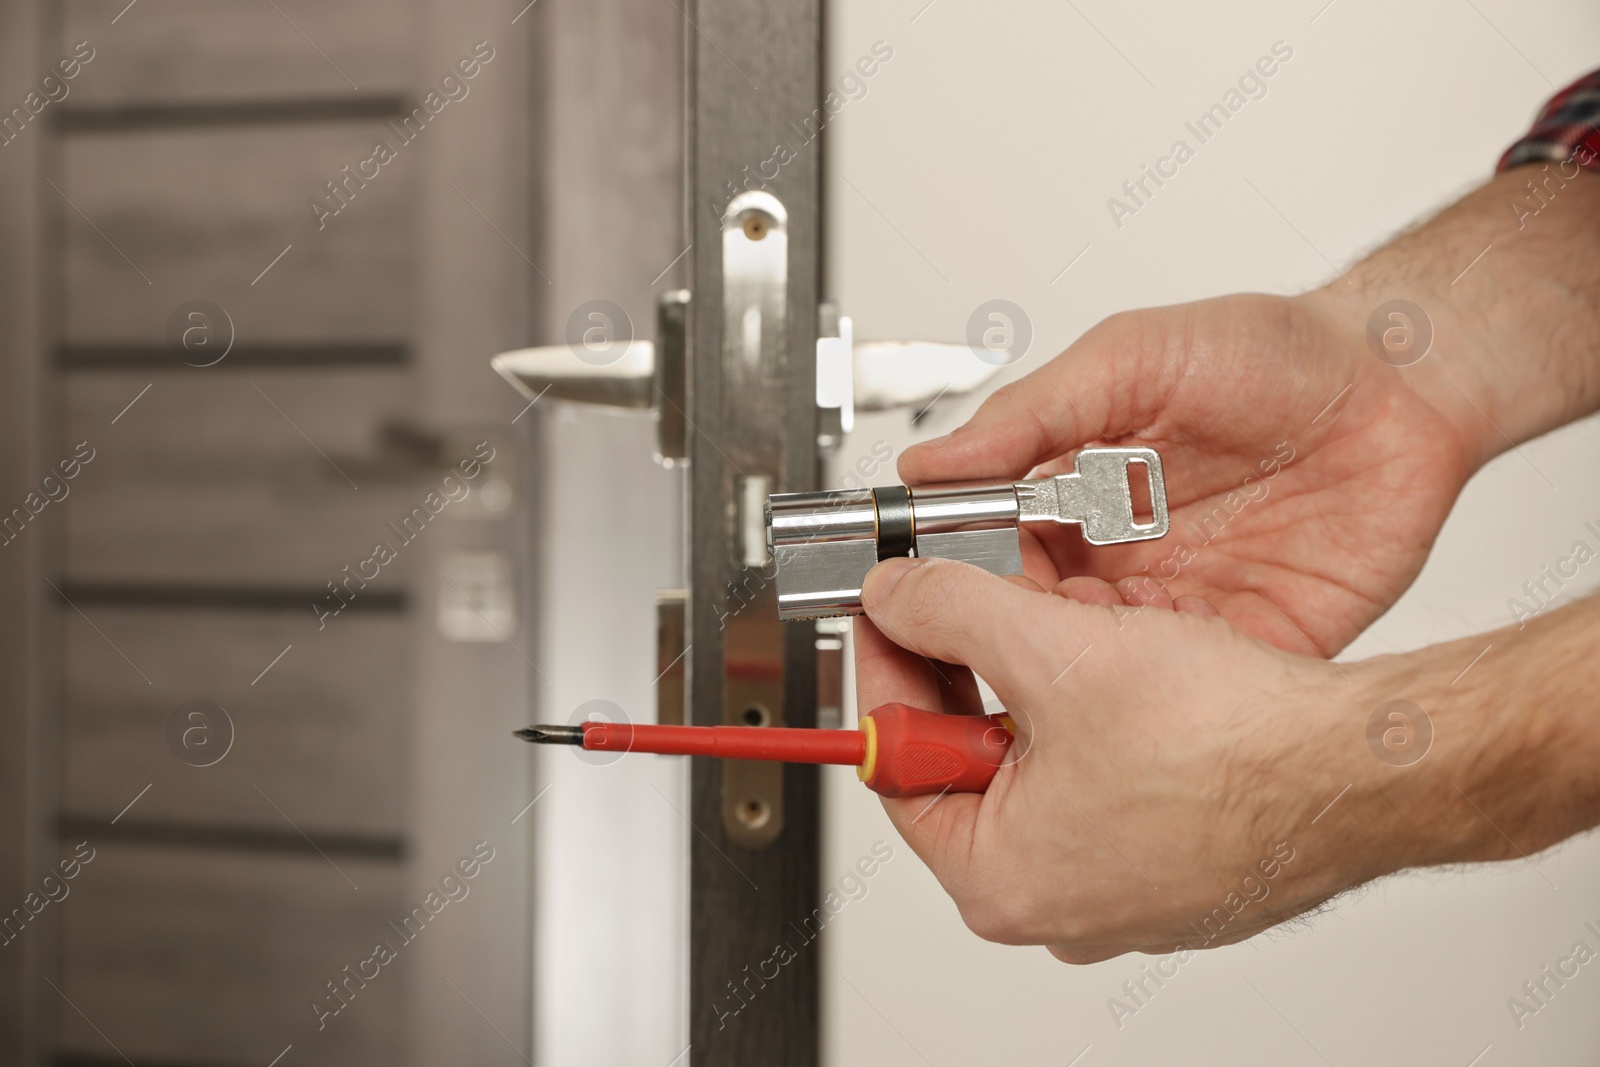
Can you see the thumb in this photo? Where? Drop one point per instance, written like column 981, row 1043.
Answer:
column 940, row 829
column 1108, row 384
column 1059, row 407
column 955, row 612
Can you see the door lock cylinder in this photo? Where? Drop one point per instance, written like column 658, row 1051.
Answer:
column 825, row 543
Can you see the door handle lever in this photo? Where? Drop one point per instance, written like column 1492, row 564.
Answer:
column 643, row 375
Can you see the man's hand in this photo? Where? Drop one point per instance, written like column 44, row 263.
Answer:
column 1307, row 478
column 1306, row 481
column 1176, row 783
column 1181, row 779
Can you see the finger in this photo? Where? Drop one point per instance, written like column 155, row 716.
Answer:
column 1079, row 955
column 1067, row 463
column 1194, row 605
column 940, row 829
column 958, row 689
column 1037, row 562
column 1089, row 590
column 1100, row 387
column 887, row 673
column 1143, row 591
column 957, row 612
column 944, row 610
column 1019, row 426
column 1022, row 581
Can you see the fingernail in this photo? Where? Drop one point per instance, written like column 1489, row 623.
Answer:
column 882, row 579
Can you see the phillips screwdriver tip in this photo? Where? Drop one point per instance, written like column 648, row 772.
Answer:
column 552, row 735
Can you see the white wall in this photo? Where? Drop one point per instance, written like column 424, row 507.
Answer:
column 977, row 166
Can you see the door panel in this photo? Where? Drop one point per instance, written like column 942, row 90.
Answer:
column 202, row 52
column 248, row 477
column 321, row 732
column 371, row 748
column 203, row 212
column 231, row 993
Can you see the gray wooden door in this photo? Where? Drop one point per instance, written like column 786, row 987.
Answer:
column 270, row 633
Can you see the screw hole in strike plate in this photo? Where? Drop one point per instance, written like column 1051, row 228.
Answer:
column 1139, row 493
column 755, row 226
column 754, row 813
column 755, row 715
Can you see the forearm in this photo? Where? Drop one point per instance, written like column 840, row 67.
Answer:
column 1514, row 765
column 1516, row 348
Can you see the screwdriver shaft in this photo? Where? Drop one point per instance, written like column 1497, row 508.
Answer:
column 788, row 744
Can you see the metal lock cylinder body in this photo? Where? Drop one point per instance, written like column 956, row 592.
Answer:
column 825, row 543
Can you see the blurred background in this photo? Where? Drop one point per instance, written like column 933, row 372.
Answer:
column 274, row 757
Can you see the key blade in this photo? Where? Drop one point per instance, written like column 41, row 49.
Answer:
column 1098, row 496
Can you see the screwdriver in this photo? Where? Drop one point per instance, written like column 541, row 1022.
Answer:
column 897, row 751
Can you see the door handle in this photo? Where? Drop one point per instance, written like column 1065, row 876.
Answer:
column 646, row 375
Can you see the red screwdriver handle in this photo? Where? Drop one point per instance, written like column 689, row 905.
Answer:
column 910, row 751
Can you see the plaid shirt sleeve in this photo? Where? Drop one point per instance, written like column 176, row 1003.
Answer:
column 1565, row 129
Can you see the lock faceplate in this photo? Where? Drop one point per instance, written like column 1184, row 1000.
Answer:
column 755, row 274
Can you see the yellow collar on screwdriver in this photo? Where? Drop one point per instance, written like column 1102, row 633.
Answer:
column 870, row 764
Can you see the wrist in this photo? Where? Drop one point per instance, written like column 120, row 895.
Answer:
column 1511, row 743
column 1382, row 388
column 1512, row 302
column 1420, row 760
